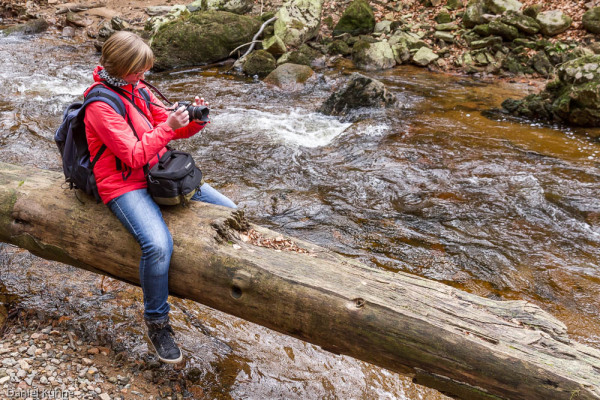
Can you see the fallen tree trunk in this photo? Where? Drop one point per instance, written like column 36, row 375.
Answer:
column 461, row 344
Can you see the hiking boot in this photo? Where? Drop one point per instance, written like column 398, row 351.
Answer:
column 161, row 336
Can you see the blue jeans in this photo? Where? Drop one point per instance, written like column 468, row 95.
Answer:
column 142, row 217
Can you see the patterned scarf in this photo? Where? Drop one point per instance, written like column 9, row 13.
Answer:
column 111, row 79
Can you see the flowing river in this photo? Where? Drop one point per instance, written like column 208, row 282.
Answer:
column 441, row 186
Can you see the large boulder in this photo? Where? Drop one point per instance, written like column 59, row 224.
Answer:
column 553, row 22
column 233, row 6
column 201, row 38
column 298, row 21
column 290, row 77
column 373, row 56
column 359, row 92
column 591, row 20
column 358, row 18
column 574, row 98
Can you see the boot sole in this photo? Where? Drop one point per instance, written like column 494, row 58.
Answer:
column 166, row 360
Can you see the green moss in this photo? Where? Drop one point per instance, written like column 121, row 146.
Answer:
column 357, row 18
column 201, row 37
column 259, row 62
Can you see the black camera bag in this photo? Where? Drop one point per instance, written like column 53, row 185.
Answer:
column 174, row 179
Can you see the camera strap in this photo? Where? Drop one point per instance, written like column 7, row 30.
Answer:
column 157, row 91
column 124, row 92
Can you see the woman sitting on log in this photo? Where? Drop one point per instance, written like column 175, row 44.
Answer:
column 119, row 171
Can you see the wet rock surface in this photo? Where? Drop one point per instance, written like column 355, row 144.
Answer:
column 359, row 92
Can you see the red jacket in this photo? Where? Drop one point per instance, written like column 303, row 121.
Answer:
column 105, row 125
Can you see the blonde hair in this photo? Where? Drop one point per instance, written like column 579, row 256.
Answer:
column 126, row 53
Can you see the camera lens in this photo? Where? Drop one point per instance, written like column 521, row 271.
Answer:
column 198, row 112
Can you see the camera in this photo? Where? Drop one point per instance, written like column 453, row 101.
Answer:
column 196, row 112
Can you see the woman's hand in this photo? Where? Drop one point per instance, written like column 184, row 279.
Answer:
column 178, row 118
column 199, row 101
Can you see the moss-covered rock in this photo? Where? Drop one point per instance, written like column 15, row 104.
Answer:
column 424, row 57
column 541, row 64
column 233, row 6
column 298, row 21
column 522, row 22
column 401, row 52
column 443, row 17
column 591, row 20
column 532, row 10
column 304, row 55
column 501, row 6
column 482, row 30
column 501, row 29
column 553, row 22
column 373, row 56
column 487, row 42
column 412, row 40
column 274, row 45
column 290, row 77
column 154, row 23
column 201, row 38
column 31, row 27
column 455, row 4
column 259, row 62
column 574, row 98
column 339, row 47
column 473, row 14
column 358, row 18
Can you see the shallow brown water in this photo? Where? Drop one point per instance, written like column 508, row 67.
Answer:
column 440, row 186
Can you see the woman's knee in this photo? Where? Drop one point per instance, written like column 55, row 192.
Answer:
column 157, row 253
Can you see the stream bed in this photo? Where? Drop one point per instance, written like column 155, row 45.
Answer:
column 442, row 186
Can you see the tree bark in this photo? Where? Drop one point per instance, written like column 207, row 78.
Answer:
column 461, row 344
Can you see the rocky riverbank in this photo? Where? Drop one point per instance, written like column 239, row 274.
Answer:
column 497, row 39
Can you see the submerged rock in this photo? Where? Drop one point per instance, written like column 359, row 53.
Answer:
column 574, row 98
column 290, row 77
column 359, row 92
column 201, row 38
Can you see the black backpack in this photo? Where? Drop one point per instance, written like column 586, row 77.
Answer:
column 72, row 142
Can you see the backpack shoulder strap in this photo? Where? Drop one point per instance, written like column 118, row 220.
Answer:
column 146, row 96
column 104, row 94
